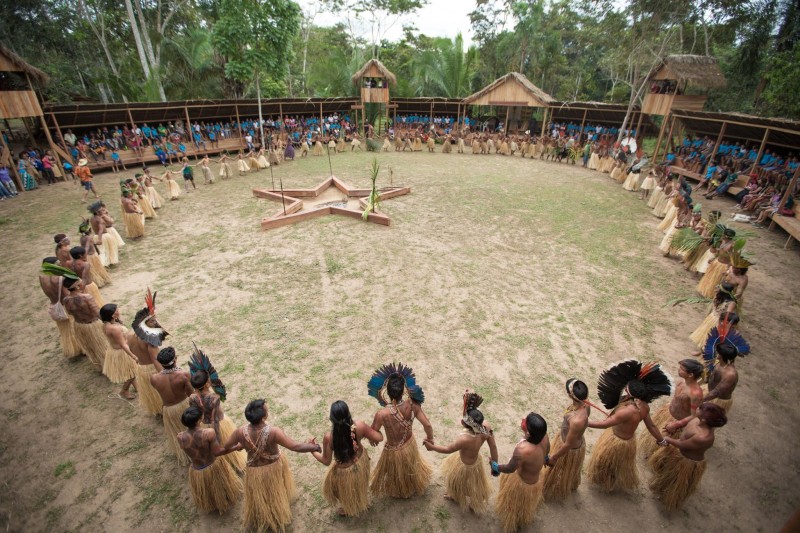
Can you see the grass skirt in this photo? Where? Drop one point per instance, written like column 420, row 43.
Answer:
column 262, row 161
column 676, row 477
column 476, row 147
column 268, row 494
column 648, row 184
column 655, row 197
column 447, row 147
column 647, row 445
column 565, row 477
column 666, row 242
column 208, row 176
column 713, row 276
column 94, row 292
column 693, row 258
column 134, row 225
column 237, row 460
column 615, row 173
column 725, row 404
column 92, row 341
column 118, row 366
column 700, row 334
column 702, row 264
column 225, row 171
column 117, row 237
column 149, row 400
column 661, row 208
column 241, row 164
column 66, row 333
column 593, row 160
column 517, row 501
column 172, row 426
column 401, row 473
column 252, row 163
column 100, row 276
column 110, row 247
column 631, row 182
column 155, row 199
column 468, row 485
column 317, row 148
column 215, row 488
column 670, row 215
column 349, row 487
column 147, row 209
column 612, row 465
column 173, row 189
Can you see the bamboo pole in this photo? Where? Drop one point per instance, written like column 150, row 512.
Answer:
column 639, row 125
column 669, row 135
column 52, row 147
column 14, row 170
column 660, row 137
column 130, row 117
column 60, row 135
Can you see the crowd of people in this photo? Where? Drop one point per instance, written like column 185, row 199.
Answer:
column 225, row 461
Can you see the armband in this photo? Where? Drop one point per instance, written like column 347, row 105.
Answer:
column 495, row 468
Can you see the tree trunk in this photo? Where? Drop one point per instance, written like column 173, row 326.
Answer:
column 138, row 39
column 151, row 56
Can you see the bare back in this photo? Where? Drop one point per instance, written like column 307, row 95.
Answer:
column 144, row 352
column 82, row 307
column 696, row 439
column 530, row 459
column 198, row 444
column 469, row 445
column 685, row 400
column 173, row 387
column 50, row 287
column 723, row 381
column 631, row 413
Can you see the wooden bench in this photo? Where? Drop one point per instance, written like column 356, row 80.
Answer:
column 733, row 190
column 790, row 224
column 683, row 172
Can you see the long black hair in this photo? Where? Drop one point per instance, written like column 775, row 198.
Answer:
column 343, row 439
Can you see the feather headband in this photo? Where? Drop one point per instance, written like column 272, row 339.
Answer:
column 614, row 380
column 472, row 400
column 377, row 383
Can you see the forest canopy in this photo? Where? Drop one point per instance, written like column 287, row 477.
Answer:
column 150, row 50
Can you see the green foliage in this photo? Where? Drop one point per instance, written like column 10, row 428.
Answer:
column 373, row 199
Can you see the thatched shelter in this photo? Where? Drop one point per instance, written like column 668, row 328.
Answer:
column 374, row 79
column 374, row 69
column 699, row 71
column 511, row 90
column 18, row 100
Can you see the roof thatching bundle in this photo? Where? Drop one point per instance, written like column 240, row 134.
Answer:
column 37, row 76
column 703, row 71
column 535, row 91
column 385, row 72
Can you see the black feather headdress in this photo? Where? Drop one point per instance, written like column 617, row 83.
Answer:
column 200, row 361
column 377, row 383
column 612, row 382
column 472, row 400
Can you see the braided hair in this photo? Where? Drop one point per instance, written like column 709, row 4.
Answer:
column 343, row 436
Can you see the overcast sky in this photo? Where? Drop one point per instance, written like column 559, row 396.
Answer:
column 440, row 18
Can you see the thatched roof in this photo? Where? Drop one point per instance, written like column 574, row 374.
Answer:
column 512, row 77
column 702, row 71
column 37, row 76
column 378, row 65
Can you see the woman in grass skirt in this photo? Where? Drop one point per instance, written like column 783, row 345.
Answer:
column 346, row 484
column 119, row 365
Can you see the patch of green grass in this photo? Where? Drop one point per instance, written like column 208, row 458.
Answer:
column 54, row 516
column 5, row 220
column 442, row 513
column 332, row 265
column 65, row 470
column 233, row 367
column 518, row 341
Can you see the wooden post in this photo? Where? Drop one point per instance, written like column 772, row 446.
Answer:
column 60, row 135
column 544, row 121
column 130, row 117
column 363, row 120
column 30, row 132
column 7, row 151
column 394, row 120
column 321, row 122
column 660, row 136
column 760, row 150
column 669, row 136
column 52, row 147
column 719, row 140
column 238, row 123
column 280, row 112
column 583, row 121
column 639, row 125
column 505, row 124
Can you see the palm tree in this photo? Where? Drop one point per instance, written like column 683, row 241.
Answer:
column 447, row 70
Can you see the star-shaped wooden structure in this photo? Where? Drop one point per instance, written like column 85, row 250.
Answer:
column 350, row 203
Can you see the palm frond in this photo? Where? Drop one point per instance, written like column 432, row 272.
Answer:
column 686, row 240
column 687, row 300
column 50, row 269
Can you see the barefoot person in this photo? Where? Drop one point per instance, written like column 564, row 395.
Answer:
column 401, row 472
column 268, row 483
column 213, row 483
column 627, row 388
column 680, row 467
column 106, row 238
column 521, row 481
column 144, row 342
column 120, row 362
column 464, row 473
column 81, row 267
column 688, row 395
column 132, row 215
column 53, row 288
column 569, row 447
column 346, row 484
column 172, row 385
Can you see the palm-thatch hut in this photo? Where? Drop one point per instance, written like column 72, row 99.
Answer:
column 513, row 90
column 374, row 79
column 670, row 80
column 18, row 100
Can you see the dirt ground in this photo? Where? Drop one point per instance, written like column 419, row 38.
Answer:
column 500, row 274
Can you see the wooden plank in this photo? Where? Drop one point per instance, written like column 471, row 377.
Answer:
column 277, row 222
column 19, row 104
column 377, row 218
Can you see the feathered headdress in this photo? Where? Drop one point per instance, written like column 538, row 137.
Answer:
column 377, row 383
column 95, row 207
column 153, row 336
column 85, row 226
column 472, row 400
column 612, row 382
column 200, row 361
column 50, row 269
column 722, row 334
column 740, row 258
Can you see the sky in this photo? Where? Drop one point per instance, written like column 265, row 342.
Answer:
column 440, row 18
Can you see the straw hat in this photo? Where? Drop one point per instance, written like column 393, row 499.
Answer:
column 83, row 162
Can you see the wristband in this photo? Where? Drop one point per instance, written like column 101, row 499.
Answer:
column 495, row 468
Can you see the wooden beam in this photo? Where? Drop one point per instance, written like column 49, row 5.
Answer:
column 280, row 112
column 719, row 140
column 238, row 120
column 669, row 135
column 660, row 136
column 130, row 117
column 544, row 121
column 505, row 124
column 760, row 150
column 52, row 147
column 60, row 135
column 583, row 121
column 789, row 190
column 14, row 170
column 321, row 122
